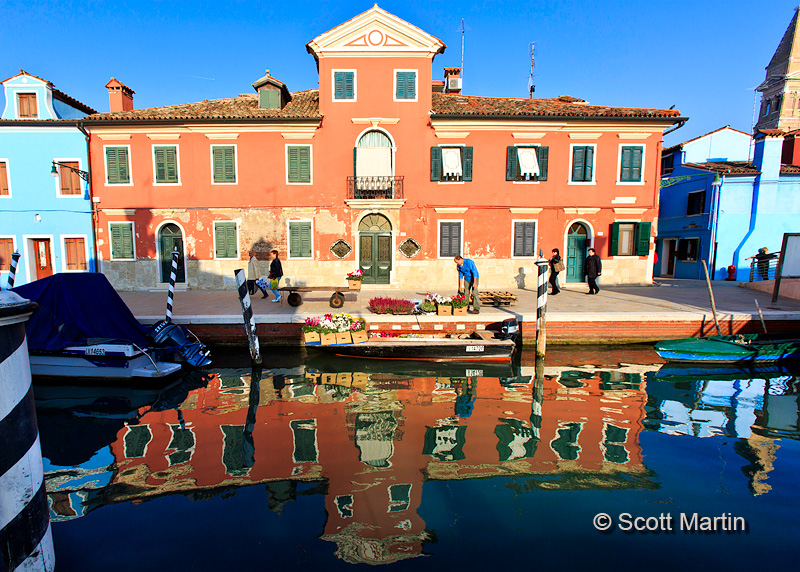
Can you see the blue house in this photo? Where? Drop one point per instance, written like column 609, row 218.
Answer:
column 723, row 196
column 45, row 199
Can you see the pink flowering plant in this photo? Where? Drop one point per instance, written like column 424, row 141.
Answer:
column 356, row 275
column 440, row 300
column 333, row 323
column 381, row 305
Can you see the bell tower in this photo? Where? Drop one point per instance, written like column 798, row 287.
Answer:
column 780, row 90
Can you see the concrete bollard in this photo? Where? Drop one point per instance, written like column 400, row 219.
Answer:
column 26, row 542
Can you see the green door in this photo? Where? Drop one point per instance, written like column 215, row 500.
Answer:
column 576, row 252
column 171, row 239
column 375, row 257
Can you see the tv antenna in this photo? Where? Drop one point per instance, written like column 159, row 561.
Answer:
column 531, row 87
column 463, row 33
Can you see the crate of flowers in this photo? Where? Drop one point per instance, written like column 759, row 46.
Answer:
column 341, row 328
column 354, row 279
column 444, row 304
column 459, row 304
column 382, row 305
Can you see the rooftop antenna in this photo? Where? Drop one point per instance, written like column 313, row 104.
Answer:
column 531, row 87
column 463, row 32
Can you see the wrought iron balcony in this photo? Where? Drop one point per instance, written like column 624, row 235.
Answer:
column 374, row 187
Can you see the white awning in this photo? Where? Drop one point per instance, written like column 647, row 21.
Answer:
column 528, row 163
column 451, row 161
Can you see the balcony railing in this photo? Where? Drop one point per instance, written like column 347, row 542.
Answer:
column 374, row 187
column 764, row 269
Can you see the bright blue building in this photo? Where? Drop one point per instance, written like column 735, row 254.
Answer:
column 723, row 196
column 45, row 199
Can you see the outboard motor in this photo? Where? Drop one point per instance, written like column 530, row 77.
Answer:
column 509, row 329
column 165, row 335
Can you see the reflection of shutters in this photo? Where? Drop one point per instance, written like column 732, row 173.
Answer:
column 305, row 440
column 524, row 237
column 614, row 247
column 300, row 239
column 643, row 236
column 233, row 449
column 136, row 441
column 449, row 239
column 436, row 163
column 566, row 444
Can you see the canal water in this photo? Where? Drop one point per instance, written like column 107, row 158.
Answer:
column 609, row 461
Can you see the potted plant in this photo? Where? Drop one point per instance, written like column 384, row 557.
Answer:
column 444, row 305
column 381, row 305
column 354, row 279
column 358, row 330
column 332, row 328
column 311, row 330
column 459, row 303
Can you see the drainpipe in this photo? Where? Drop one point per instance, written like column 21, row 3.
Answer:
column 97, row 267
column 716, row 185
column 680, row 124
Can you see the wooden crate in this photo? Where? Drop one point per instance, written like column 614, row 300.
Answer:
column 497, row 298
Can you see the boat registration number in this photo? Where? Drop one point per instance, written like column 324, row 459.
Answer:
column 473, row 373
column 474, row 348
column 95, row 351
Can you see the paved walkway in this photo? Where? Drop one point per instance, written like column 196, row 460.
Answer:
column 670, row 300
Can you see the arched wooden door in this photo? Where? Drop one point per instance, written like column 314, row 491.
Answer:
column 577, row 242
column 375, row 254
column 171, row 238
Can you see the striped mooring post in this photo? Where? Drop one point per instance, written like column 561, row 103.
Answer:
column 247, row 314
column 171, row 292
column 542, row 266
column 26, row 542
column 12, row 271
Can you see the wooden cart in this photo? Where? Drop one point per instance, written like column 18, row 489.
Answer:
column 294, row 298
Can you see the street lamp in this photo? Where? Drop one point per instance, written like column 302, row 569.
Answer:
column 82, row 174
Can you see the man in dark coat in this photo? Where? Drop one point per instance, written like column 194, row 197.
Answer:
column 592, row 268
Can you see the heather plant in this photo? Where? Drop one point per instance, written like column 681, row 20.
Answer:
column 381, row 305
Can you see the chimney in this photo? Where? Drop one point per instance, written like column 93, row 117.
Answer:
column 120, row 96
column 272, row 94
column 767, row 153
column 452, row 80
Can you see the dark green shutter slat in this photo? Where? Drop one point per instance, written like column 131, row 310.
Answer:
column 294, row 240
column 121, row 241
column 111, row 165
column 220, row 249
column 224, row 165
column 294, row 165
column 636, row 164
column 230, row 165
column 300, row 239
column 466, row 163
column 406, row 85
column 116, row 241
column 349, row 91
column 305, row 164
column 625, row 174
column 400, row 89
column 614, row 246
column 172, row 164
column 643, row 236
column 542, row 154
column 123, row 175
column 305, row 239
column 338, row 87
column 127, row 241
column 518, row 239
column 589, row 162
column 231, row 240
column 436, row 163
column 511, row 163
column 219, row 169
column 578, row 156
column 529, row 230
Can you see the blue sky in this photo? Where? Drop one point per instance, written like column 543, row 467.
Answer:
column 703, row 56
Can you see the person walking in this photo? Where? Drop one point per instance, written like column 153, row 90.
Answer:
column 592, row 268
column 253, row 273
column 275, row 275
column 468, row 281
column 556, row 266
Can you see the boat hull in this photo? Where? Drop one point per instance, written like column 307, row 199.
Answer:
column 101, row 361
column 740, row 349
column 436, row 349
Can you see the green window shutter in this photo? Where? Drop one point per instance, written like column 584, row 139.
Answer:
column 305, row 164
column 299, row 164
column 511, row 163
column 643, row 239
column 524, row 236
column 587, row 172
column 232, row 240
column 112, row 169
column 436, row 163
column 116, row 241
column 171, row 155
column 578, row 162
column 344, row 85
column 406, row 85
column 219, row 240
column 466, row 163
column 625, row 171
column 294, row 165
column 224, row 164
column 122, row 165
column 226, row 242
column 300, row 239
column 542, row 154
column 449, row 238
column 614, row 247
column 121, row 241
column 219, row 169
column 636, row 164
column 631, row 169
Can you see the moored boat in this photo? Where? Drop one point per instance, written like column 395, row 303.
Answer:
column 736, row 349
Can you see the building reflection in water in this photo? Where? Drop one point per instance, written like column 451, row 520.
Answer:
column 368, row 442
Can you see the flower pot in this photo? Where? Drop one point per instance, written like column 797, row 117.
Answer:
column 311, row 337
column 360, row 337
column 460, row 311
column 327, row 339
column 354, row 284
column 343, row 338
column 444, row 310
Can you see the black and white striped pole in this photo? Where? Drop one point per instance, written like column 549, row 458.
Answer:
column 171, row 292
column 12, row 271
column 542, row 265
column 26, row 542
column 247, row 314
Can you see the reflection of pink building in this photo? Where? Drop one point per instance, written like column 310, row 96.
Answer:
column 375, row 442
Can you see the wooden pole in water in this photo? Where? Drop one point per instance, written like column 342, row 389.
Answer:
column 761, row 317
column 541, row 308
column 247, row 314
column 711, row 296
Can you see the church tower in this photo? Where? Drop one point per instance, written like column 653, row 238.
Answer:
column 780, row 91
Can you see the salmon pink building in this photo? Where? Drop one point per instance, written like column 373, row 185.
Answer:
column 381, row 168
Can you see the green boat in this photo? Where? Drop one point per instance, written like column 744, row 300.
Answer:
column 738, row 349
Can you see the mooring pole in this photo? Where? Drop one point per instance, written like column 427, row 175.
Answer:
column 711, row 296
column 247, row 314
column 541, row 307
column 12, row 271
column 26, row 542
column 537, row 397
column 171, row 291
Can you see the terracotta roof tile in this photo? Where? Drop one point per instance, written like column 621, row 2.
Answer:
column 445, row 104
column 727, row 167
column 304, row 105
column 770, row 132
column 790, row 169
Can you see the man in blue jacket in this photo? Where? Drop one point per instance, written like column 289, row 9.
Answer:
column 468, row 281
